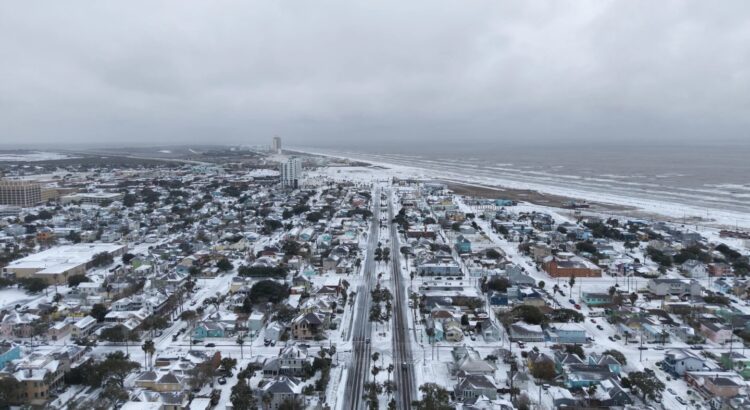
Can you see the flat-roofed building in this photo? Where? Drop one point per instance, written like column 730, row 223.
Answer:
column 55, row 265
column 95, row 198
column 20, row 192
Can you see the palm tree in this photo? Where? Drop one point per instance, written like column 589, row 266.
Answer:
column 241, row 341
column 375, row 371
column 149, row 348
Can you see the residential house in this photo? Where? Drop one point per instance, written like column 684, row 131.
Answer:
column 462, row 245
column 160, row 381
column 593, row 299
column 490, row 331
column 59, row 330
column 281, row 389
column 675, row 287
column 452, row 331
column 290, row 362
column 17, row 324
column 566, row 333
column 255, row 322
column 716, row 332
column 606, row 360
column 585, row 375
column 9, row 352
column 563, row 359
column 611, row 394
column 719, row 269
column 206, row 329
column 473, row 386
column 83, row 327
column 736, row 361
column 694, row 269
column 273, row 331
column 710, row 384
column 681, row 361
column 308, row 325
column 524, row 332
column 436, row 328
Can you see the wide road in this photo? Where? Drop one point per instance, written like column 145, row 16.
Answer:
column 359, row 368
column 403, row 362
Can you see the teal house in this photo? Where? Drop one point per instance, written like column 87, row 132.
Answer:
column 596, row 299
column 8, row 353
column 463, row 245
column 207, row 330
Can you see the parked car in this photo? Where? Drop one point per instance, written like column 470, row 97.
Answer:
column 222, row 380
column 578, row 306
column 572, row 302
column 210, row 344
column 599, row 327
column 681, row 400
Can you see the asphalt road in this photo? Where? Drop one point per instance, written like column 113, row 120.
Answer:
column 359, row 368
column 403, row 362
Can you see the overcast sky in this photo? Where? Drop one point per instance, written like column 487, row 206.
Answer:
column 364, row 72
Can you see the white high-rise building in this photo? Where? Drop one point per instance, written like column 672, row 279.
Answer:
column 276, row 146
column 290, row 172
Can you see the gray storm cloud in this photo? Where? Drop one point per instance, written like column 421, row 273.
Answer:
column 330, row 72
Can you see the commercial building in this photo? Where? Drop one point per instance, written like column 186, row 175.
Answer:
column 565, row 266
column 20, row 192
column 290, row 172
column 95, row 198
column 55, row 265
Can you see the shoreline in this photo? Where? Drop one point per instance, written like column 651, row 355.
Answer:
column 551, row 196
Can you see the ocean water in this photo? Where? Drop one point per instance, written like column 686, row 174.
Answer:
column 712, row 176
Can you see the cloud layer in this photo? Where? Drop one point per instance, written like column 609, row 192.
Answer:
column 357, row 72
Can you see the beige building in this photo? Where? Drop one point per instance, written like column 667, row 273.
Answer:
column 55, row 265
column 20, row 192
